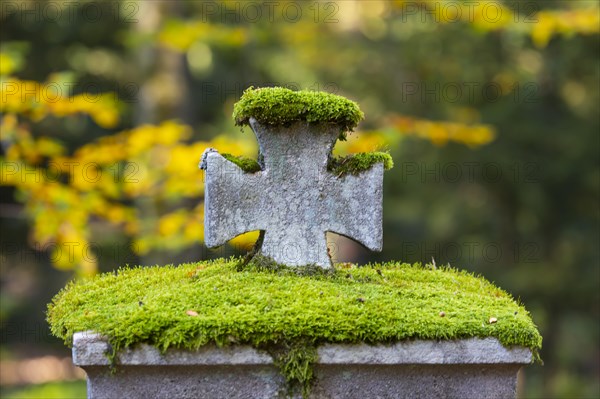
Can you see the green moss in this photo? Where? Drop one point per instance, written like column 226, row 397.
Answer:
column 254, row 262
column 339, row 166
column 280, row 106
column 295, row 361
column 356, row 163
column 246, row 164
column 378, row 303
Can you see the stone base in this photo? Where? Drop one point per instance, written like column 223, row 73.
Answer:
column 471, row 368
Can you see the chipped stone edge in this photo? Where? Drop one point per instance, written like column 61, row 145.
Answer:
column 90, row 349
column 202, row 164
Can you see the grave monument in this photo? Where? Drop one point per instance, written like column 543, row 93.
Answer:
column 284, row 321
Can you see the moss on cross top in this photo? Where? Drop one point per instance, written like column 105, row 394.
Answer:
column 340, row 166
column 247, row 165
column 281, row 106
column 278, row 105
column 357, row 163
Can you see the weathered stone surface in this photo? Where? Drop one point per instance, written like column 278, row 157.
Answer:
column 466, row 351
column 295, row 200
column 470, row 368
column 89, row 350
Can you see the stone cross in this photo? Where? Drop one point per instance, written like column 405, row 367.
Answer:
column 293, row 199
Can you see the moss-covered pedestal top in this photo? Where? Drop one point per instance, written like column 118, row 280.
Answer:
column 195, row 304
column 288, row 312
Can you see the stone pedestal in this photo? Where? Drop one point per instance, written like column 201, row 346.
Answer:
column 470, row 368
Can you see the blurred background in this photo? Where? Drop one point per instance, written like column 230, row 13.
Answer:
column 489, row 108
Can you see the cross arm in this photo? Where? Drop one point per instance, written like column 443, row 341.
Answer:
column 231, row 198
column 357, row 210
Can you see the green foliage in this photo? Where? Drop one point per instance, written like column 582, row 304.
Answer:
column 278, row 105
column 51, row 390
column 357, row 163
column 376, row 303
column 246, row 164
